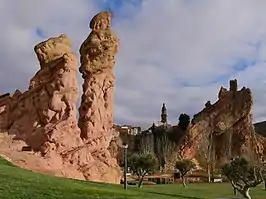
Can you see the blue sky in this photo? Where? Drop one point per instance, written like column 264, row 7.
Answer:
column 176, row 51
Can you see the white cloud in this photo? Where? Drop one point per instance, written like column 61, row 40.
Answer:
column 178, row 52
column 195, row 42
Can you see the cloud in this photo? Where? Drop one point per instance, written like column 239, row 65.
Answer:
column 188, row 49
column 177, row 52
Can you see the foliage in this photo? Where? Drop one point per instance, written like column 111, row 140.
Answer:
column 184, row 121
column 184, row 166
column 243, row 175
column 142, row 164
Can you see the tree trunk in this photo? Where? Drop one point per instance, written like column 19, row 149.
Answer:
column 209, row 172
column 234, row 188
column 235, row 191
column 139, row 176
column 265, row 184
column 141, row 180
column 245, row 193
column 184, row 181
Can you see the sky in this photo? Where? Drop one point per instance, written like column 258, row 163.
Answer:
column 179, row 52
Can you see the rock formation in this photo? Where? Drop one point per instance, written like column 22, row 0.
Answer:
column 97, row 63
column 228, row 124
column 44, row 116
column 97, row 103
column 260, row 128
column 46, row 112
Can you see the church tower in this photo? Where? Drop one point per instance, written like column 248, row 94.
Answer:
column 164, row 114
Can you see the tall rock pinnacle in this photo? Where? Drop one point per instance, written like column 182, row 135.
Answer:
column 97, row 104
column 97, row 63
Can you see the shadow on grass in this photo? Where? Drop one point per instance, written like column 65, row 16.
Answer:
column 174, row 195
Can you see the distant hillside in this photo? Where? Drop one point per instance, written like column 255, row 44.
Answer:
column 260, row 128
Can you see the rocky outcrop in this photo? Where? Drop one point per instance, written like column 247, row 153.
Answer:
column 260, row 128
column 44, row 117
column 4, row 101
column 46, row 112
column 227, row 124
column 97, row 104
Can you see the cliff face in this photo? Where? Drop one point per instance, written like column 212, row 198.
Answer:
column 46, row 112
column 228, row 124
column 44, row 117
column 260, row 128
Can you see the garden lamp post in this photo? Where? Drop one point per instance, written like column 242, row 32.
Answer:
column 125, row 146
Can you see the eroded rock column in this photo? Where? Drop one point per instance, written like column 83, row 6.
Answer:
column 97, row 63
column 97, row 103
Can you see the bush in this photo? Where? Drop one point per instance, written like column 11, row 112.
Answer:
column 243, row 175
column 141, row 164
column 184, row 121
column 184, row 166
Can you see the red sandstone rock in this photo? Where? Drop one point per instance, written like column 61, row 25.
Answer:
column 44, row 117
column 97, row 105
column 46, row 113
column 229, row 121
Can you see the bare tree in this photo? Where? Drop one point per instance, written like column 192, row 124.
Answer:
column 146, row 145
column 166, row 150
column 205, row 153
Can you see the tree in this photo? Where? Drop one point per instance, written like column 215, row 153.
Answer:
column 141, row 164
column 243, row 175
column 184, row 166
column 264, row 174
column 146, row 144
column 184, row 121
column 205, row 152
column 165, row 150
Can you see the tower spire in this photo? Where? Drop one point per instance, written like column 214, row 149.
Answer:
column 164, row 114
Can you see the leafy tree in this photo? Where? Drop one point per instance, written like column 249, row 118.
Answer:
column 141, row 164
column 184, row 121
column 184, row 166
column 243, row 175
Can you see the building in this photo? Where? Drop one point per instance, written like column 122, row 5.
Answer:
column 128, row 129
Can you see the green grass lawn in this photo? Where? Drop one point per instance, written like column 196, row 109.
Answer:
column 17, row 183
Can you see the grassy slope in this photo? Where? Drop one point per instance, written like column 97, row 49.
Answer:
column 16, row 183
